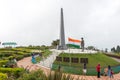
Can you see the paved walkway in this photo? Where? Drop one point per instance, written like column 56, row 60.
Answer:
column 118, row 60
column 45, row 65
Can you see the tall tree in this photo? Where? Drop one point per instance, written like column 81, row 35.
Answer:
column 113, row 49
column 106, row 50
column 118, row 49
column 55, row 42
column 91, row 47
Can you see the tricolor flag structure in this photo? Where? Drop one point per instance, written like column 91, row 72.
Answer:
column 74, row 43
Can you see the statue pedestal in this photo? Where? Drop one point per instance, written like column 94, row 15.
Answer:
column 62, row 47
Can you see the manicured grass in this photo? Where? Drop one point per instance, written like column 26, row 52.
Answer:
column 7, row 56
column 45, row 54
column 93, row 60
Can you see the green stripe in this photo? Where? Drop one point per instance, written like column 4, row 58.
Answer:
column 73, row 45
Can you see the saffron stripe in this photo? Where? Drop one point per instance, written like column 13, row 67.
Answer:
column 74, row 40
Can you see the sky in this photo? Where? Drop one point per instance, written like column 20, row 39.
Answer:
column 37, row 22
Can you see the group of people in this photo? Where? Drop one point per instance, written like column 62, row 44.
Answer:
column 107, row 71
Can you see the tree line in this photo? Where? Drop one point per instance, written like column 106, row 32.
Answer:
column 116, row 50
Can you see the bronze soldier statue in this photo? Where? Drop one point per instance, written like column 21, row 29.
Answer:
column 82, row 44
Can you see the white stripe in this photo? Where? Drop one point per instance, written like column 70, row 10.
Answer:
column 74, row 43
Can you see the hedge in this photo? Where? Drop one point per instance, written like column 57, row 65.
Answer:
column 12, row 71
column 3, row 62
column 3, row 76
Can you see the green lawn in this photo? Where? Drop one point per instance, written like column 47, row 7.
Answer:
column 93, row 60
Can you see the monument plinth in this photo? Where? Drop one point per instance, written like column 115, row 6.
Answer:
column 62, row 45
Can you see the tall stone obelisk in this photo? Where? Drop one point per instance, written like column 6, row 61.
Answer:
column 62, row 45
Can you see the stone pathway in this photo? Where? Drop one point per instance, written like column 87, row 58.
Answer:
column 118, row 60
column 46, row 64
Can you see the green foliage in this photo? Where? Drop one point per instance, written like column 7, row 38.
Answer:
column 93, row 60
column 58, row 75
column 46, row 53
column 113, row 49
column 19, row 57
column 3, row 62
column 91, row 47
column 10, row 53
column 5, row 54
column 43, row 47
column 27, row 54
column 39, row 75
column 12, row 71
column 3, row 76
column 35, row 75
column 38, row 59
column 55, row 42
column 117, row 50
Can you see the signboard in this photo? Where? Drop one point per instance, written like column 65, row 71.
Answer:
column 66, row 59
column 74, row 60
column 83, row 60
column 9, row 43
column 58, row 58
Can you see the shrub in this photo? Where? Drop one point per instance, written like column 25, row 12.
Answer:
column 39, row 75
column 10, row 57
column 6, row 54
column 27, row 55
column 12, row 71
column 34, row 75
column 3, row 62
column 19, row 57
column 3, row 76
column 38, row 59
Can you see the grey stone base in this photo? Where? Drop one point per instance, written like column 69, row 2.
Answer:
column 62, row 47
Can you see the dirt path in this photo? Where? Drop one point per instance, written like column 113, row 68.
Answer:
column 27, row 62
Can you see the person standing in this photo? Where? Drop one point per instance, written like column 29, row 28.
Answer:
column 15, row 62
column 33, row 59
column 105, row 71
column 109, row 70
column 98, row 70
column 112, row 72
column 82, row 44
column 84, row 69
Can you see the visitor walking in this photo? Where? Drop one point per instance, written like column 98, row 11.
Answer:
column 84, row 69
column 105, row 71
column 109, row 71
column 15, row 61
column 112, row 72
column 98, row 70
column 33, row 59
